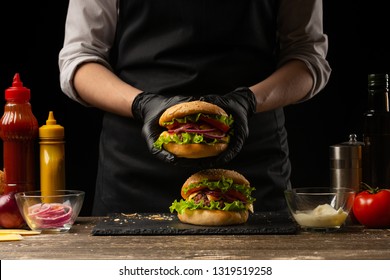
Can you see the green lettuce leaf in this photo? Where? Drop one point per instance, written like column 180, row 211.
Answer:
column 182, row 205
column 193, row 138
column 187, row 138
column 224, row 184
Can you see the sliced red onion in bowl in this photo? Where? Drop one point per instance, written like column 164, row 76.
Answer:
column 50, row 215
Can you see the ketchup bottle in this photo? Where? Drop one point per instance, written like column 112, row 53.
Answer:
column 18, row 130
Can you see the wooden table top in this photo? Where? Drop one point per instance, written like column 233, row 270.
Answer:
column 354, row 242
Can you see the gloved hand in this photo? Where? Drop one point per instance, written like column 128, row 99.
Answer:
column 147, row 107
column 241, row 104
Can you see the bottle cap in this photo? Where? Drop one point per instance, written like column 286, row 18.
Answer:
column 378, row 80
column 17, row 92
column 51, row 129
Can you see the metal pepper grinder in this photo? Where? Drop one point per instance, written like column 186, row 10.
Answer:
column 346, row 164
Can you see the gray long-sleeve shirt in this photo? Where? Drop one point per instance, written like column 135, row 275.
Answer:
column 91, row 24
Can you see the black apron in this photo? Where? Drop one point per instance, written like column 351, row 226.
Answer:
column 190, row 47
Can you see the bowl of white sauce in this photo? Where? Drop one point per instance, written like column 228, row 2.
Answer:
column 319, row 208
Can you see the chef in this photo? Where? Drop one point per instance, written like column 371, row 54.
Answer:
column 134, row 59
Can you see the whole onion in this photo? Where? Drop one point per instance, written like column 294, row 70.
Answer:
column 10, row 216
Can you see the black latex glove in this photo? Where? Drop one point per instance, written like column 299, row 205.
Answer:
column 241, row 104
column 147, row 108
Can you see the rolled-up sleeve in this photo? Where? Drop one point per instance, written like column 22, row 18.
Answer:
column 89, row 33
column 301, row 36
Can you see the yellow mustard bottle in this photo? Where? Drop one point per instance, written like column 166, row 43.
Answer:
column 52, row 156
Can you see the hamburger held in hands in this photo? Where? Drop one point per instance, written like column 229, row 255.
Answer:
column 215, row 197
column 195, row 129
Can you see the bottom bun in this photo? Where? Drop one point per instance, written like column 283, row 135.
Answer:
column 213, row 217
column 195, row 150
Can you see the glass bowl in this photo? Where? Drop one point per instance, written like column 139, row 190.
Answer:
column 50, row 213
column 320, row 208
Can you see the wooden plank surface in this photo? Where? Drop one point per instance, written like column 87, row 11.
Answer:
column 352, row 243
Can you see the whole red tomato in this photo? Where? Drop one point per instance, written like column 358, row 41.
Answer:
column 371, row 207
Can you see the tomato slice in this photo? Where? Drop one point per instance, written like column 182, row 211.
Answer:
column 215, row 123
column 237, row 195
column 231, row 194
column 190, row 191
column 173, row 126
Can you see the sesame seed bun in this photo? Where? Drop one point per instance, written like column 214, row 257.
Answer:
column 214, row 175
column 189, row 108
column 191, row 150
column 206, row 217
column 213, row 217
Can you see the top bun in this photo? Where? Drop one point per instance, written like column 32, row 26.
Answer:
column 189, row 108
column 214, row 175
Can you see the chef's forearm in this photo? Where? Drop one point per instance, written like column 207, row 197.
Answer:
column 101, row 88
column 287, row 85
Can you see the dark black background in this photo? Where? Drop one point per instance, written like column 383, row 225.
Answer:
column 31, row 34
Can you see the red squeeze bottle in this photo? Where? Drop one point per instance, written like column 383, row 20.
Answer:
column 18, row 130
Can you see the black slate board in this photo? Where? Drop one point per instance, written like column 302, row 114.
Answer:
column 169, row 224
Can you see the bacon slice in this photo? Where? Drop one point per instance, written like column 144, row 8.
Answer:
column 201, row 128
